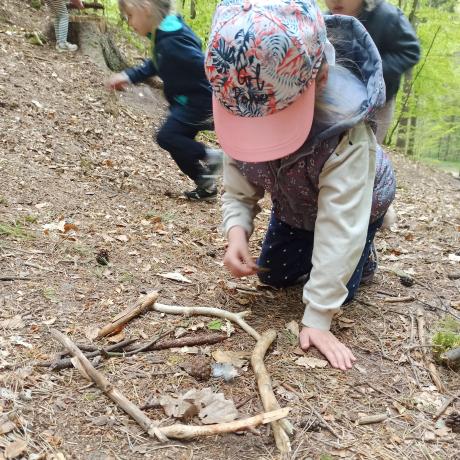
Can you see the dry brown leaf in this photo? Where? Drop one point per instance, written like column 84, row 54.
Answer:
column 178, row 407
column 236, row 358
column 311, row 363
column 69, row 227
column 293, row 328
column 15, row 449
column 13, row 323
column 7, row 426
column 122, row 238
column 91, row 332
column 455, row 304
column 116, row 338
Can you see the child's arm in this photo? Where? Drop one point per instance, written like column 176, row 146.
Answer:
column 240, row 206
column 141, row 72
column 344, row 206
column 132, row 75
column 402, row 48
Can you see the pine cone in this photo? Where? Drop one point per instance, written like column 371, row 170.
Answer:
column 198, row 367
column 453, row 422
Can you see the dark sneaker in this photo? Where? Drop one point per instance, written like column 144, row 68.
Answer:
column 202, row 194
column 370, row 267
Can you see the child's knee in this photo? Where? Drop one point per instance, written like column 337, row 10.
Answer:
column 164, row 139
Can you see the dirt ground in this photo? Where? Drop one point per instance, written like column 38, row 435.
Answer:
column 80, row 174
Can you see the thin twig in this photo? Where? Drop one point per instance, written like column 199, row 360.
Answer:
column 313, row 410
column 446, row 404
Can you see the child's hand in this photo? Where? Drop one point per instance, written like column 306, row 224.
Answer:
column 118, row 81
column 77, row 3
column 237, row 258
column 338, row 355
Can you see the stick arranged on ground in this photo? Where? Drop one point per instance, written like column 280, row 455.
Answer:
column 429, row 364
column 178, row 431
column 446, row 404
column 281, row 428
column 112, row 392
column 237, row 318
column 143, row 305
column 154, row 345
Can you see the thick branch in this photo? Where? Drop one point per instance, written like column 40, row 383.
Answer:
column 180, row 431
column 281, row 428
column 144, row 304
column 237, row 318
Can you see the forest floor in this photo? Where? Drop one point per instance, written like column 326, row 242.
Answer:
column 80, row 174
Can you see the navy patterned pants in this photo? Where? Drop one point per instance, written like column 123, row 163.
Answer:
column 287, row 252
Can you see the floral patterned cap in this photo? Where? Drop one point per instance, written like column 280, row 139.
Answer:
column 263, row 55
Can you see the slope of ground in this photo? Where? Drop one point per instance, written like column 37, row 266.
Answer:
column 72, row 153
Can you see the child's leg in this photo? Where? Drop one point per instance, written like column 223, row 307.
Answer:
column 367, row 262
column 286, row 254
column 61, row 19
column 179, row 140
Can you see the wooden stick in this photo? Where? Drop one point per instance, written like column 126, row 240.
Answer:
column 113, row 393
column 398, row 299
column 144, row 304
column 368, row 419
column 202, row 339
column 446, row 404
column 65, row 363
column 280, row 431
column 431, row 368
column 237, row 318
column 178, row 431
column 313, row 410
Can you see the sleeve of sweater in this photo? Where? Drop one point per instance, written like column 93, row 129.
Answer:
column 141, row 72
column 344, row 204
column 239, row 200
column 402, row 50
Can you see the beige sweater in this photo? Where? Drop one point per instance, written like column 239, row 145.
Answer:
column 344, row 204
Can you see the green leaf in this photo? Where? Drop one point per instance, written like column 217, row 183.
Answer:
column 215, row 325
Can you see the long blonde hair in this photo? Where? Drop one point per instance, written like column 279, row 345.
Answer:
column 160, row 8
column 342, row 97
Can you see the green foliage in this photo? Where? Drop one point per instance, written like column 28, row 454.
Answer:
column 14, row 230
column 215, row 325
column 435, row 98
column 447, row 335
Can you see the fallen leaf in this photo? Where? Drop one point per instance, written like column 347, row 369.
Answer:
column 7, row 426
column 91, row 332
column 180, row 332
column 17, row 340
column 345, row 323
column 224, row 370
column 55, row 226
column 116, row 338
column 455, row 304
column 15, row 449
column 175, row 276
column 189, row 350
column 444, row 431
column 293, row 328
column 454, row 258
column 215, row 325
column 69, row 227
column 50, row 321
column 13, row 323
column 235, row 358
column 122, row 238
column 311, row 363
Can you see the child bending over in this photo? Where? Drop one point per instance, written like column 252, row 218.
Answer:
column 297, row 125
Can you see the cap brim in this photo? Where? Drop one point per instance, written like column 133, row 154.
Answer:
column 256, row 139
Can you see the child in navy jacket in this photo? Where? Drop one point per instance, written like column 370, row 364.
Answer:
column 178, row 60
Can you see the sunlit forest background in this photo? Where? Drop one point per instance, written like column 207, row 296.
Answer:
column 427, row 119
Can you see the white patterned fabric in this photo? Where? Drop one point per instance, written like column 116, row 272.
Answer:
column 263, row 54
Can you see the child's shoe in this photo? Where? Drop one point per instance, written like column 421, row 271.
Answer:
column 66, row 47
column 370, row 267
column 202, row 193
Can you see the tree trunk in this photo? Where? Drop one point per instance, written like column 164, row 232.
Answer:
column 411, row 138
column 94, row 39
